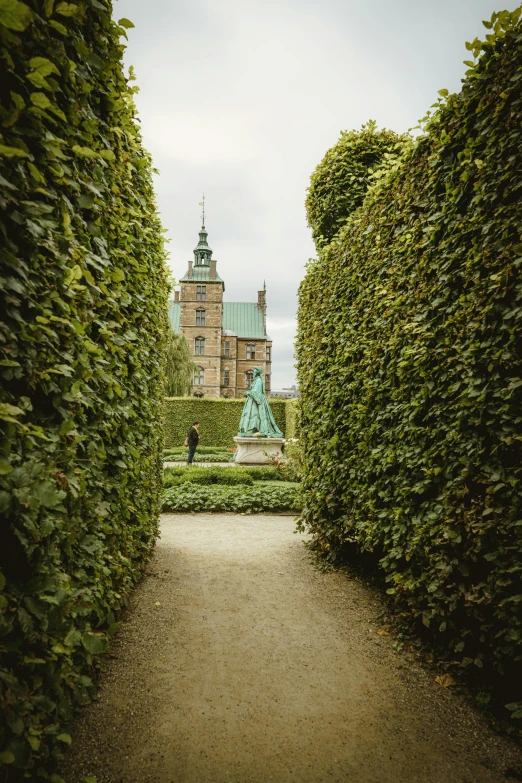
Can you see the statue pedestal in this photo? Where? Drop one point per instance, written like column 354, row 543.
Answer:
column 257, row 451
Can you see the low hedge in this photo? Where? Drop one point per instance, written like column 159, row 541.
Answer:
column 227, row 476
column 232, row 499
column 219, row 418
column 410, row 364
column 83, row 325
column 181, row 456
column 226, row 451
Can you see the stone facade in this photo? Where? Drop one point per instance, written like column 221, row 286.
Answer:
column 227, row 340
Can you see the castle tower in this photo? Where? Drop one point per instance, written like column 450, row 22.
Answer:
column 201, row 312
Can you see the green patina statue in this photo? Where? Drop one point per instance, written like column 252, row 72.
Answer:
column 257, row 418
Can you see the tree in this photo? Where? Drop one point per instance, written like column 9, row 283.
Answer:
column 179, row 368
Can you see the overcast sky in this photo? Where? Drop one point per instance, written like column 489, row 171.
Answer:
column 240, row 99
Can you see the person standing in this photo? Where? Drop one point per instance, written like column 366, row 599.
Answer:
column 192, row 441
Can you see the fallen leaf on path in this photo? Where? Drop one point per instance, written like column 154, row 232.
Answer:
column 446, row 680
column 157, row 603
column 382, row 632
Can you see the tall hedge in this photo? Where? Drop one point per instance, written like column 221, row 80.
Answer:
column 219, row 419
column 83, row 319
column 410, row 364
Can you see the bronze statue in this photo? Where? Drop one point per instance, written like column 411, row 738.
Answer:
column 257, row 418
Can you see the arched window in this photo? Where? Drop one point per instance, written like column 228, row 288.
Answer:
column 199, row 346
column 199, row 376
column 249, row 377
column 200, row 318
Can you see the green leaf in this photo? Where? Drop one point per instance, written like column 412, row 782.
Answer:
column 40, row 99
column 12, row 152
column 15, row 15
column 68, row 9
column 6, row 757
column 125, row 23
column 95, row 643
column 5, row 468
column 47, row 494
column 60, row 28
column 84, row 152
column 64, row 738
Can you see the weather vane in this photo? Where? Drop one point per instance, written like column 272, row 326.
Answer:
column 202, row 204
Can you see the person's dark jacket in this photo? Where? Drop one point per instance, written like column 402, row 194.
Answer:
column 192, row 437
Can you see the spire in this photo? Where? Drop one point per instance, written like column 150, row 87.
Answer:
column 202, row 252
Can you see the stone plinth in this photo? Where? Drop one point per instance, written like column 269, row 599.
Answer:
column 257, row 451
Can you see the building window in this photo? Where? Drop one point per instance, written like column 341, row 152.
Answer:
column 199, row 376
column 201, row 293
column 200, row 318
column 269, row 353
column 251, row 351
column 199, row 346
column 226, row 378
column 227, row 348
column 249, row 377
column 267, row 383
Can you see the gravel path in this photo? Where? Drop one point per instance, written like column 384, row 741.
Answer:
column 238, row 662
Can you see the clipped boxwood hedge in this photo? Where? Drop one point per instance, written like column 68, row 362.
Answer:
column 410, row 364
column 82, row 333
column 219, row 418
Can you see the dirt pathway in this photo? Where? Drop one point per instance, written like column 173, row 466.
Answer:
column 255, row 667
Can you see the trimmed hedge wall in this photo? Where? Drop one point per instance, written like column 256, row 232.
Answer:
column 219, row 419
column 410, row 365
column 83, row 329
column 340, row 181
column 292, row 418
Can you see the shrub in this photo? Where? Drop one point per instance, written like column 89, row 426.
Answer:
column 82, row 334
column 219, row 418
column 339, row 183
column 409, row 356
column 232, row 499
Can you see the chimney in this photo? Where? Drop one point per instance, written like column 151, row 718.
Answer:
column 212, row 268
column 176, row 296
column 261, row 299
column 190, row 271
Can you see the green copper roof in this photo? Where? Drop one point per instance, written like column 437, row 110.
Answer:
column 244, row 319
column 200, row 274
column 174, row 314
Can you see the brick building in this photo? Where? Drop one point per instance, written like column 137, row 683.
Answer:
column 227, row 339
